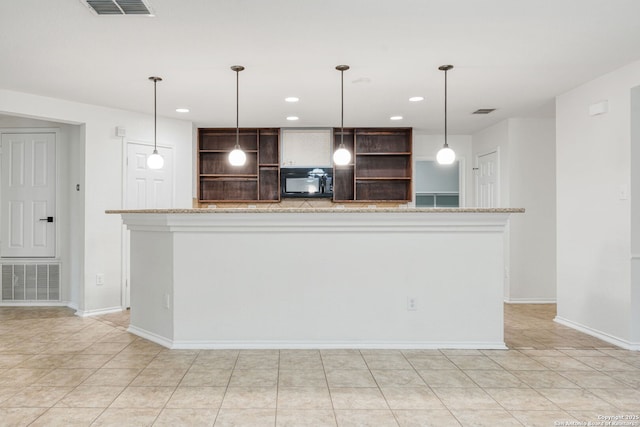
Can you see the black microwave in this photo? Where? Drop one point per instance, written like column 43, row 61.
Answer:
column 306, row 182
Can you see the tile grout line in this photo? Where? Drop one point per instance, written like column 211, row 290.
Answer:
column 431, row 388
column 226, row 389
column 73, row 354
column 379, row 388
column 326, row 379
column 604, row 364
column 275, row 418
column 175, row 388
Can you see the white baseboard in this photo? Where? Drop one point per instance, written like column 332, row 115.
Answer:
column 153, row 337
column 627, row 345
column 280, row 345
column 530, row 300
column 34, row 304
column 296, row 345
column 71, row 305
column 89, row 313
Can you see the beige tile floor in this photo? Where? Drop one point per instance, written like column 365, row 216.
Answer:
column 57, row 369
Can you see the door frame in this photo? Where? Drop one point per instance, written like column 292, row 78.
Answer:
column 124, row 240
column 498, row 175
column 57, row 249
column 462, row 178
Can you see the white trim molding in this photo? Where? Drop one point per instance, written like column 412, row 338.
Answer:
column 530, row 301
column 34, row 304
column 627, row 345
column 98, row 312
column 296, row 345
column 143, row 333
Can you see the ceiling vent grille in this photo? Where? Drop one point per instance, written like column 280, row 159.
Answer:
column 119, row 7
column 484, row 111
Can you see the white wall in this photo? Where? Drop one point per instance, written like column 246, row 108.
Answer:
column 494, row 138
column 532, row 183
column 102, row 186
column 635, row 213
column 76, row 215
column 526, row 148
column 425, row 147
column 594, row 222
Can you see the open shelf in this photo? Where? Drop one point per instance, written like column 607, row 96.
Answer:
column 257, row 180
column 396, row 190
column 382, row 168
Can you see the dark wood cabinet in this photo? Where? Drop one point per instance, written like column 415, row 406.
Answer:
column 258, row 180
column 380, row 170
column 381, row 165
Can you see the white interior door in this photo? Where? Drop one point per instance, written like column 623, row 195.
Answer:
column 146, row 189
column 28, row 188
column 487, row 180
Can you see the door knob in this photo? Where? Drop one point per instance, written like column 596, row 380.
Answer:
column 48, row 219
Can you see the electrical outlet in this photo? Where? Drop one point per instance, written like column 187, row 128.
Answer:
column 412, row 304
column 99, row 279
column 623, row 192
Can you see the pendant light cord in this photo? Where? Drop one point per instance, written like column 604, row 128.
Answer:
column 341, row 108
column 155, row 115
column 237, row 109
column 445, row 109
column 342, row 69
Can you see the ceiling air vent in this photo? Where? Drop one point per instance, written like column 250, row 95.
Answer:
column 484, row 111
column 119, row 7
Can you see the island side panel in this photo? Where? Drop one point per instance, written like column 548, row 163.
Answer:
column 342, row 287
column 152, row 296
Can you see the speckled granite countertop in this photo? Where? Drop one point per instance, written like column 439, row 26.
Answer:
column 316, row 210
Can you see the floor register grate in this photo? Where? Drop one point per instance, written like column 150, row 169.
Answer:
column 31, row 282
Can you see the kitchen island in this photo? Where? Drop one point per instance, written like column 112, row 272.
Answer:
column 318, row 278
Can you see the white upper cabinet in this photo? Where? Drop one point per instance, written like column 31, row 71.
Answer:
column 306, row 147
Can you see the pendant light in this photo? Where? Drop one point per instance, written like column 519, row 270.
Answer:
column 446, row 155
column 342, row 156
column 155, row 160
column 237, row 157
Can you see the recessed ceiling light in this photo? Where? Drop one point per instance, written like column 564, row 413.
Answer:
column 292, row 118
column 416, row 98
column 182, row 110
column 292, row 99
column 395, row 118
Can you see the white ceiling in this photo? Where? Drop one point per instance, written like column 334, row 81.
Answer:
column 512, row 55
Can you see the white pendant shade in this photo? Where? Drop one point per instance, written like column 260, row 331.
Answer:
column 237, row 157
column 446, row 156
column 341, row 157
column 155, row 160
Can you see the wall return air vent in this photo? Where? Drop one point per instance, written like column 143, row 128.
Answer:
column 119, row 7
